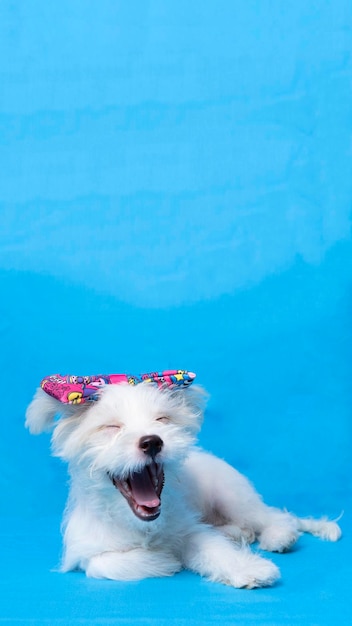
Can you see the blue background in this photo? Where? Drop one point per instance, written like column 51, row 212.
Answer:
column 175, row 191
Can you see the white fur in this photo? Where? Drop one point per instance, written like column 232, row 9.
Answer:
column 209, row 512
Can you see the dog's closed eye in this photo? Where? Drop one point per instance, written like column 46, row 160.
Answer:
column 110, row 427
column 164, row 419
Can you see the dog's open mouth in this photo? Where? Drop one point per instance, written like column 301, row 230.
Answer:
column 142, row 490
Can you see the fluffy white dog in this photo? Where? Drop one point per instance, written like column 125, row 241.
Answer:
column 144, row 502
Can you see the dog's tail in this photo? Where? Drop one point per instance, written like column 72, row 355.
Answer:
column 41, row 412
column 323, row 528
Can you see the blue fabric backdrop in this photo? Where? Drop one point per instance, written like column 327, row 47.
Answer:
column 175, row 191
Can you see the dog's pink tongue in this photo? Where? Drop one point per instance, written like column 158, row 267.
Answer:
column 143, row 489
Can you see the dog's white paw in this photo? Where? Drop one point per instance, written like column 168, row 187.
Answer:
column 330, row 531
column 278, row 538
column 257, row 572
column 246, row 535
column 132, row 565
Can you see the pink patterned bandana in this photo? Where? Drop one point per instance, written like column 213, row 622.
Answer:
column 80, row 389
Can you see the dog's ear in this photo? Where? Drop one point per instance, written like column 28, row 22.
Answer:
column 197, row 397
column 41, row 413
column 195, row 400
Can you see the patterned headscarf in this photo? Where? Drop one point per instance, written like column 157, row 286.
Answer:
column 79, row 389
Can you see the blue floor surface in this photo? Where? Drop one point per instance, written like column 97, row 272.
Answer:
column 314, row 590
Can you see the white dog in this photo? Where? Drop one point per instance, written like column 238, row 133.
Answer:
column 144, row 502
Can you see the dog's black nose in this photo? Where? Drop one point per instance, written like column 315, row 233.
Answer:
column 151, row 445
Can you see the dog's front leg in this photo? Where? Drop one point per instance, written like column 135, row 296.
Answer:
column 210, row 554
column 132, row 565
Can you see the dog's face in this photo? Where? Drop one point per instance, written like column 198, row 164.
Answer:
column 128, row 437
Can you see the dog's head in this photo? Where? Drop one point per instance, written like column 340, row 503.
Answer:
column 126, row 438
